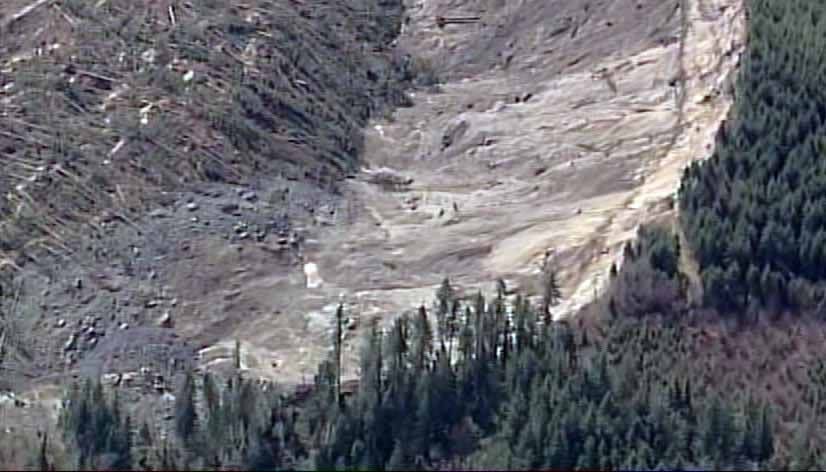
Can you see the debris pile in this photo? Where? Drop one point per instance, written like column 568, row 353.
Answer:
column 98, row 121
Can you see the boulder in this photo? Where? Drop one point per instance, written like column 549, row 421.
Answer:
column 165, row 321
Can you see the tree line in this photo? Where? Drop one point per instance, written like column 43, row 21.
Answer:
column 754, row 213
column 480, row 382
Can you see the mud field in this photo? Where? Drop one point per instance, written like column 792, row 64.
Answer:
column 559, row 127
column 554, row 125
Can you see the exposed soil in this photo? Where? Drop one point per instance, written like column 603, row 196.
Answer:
column 555, row 125
column 567, row 146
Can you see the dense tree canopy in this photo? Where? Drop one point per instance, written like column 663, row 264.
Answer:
column 755, row 212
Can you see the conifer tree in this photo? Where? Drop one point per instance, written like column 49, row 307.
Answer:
column 185, row 414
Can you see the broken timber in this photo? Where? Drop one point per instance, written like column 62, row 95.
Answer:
column 442, row 21
column 7, row 22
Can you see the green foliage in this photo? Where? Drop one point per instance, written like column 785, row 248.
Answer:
column 557, row 401
column 492, row 382
column 96, row 428
column 754, row 213
column 244, row 425
column 500, row 388
column 185, row 415
column 650, row 281
column 551, row 292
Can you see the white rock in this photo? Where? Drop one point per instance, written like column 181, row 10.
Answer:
column 311, row 273
column 165, row 321
column 70, row 343
column 149, row 55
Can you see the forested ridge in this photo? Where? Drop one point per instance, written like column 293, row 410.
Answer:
column 755, row 213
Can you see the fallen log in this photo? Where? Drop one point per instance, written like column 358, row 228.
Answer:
column 22, row 13
column 442, row 21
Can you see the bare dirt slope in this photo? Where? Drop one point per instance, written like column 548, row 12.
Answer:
column 556, row 124
column 559, row 125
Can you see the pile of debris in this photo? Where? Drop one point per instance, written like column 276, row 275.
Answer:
column 106, row 104
column 83, row 337
column 388, row 178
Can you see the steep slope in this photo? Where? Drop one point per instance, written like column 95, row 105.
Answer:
column 556, row 127
column 120, row 118
column 107, row 104
column 618, row 105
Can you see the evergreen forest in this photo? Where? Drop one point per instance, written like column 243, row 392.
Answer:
column 754, row 214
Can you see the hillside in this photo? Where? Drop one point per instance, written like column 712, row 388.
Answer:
column 431, row 235
column 227, row 216
column 754, row 213
column 117, row 114
column 192, row 189
column 107, row 105
column 508, row 159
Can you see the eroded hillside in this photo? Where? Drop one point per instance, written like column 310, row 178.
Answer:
column 563, row 135
column 555, row 125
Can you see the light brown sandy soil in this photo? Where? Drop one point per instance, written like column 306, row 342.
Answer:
column 597, row 149
column 714, row 39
